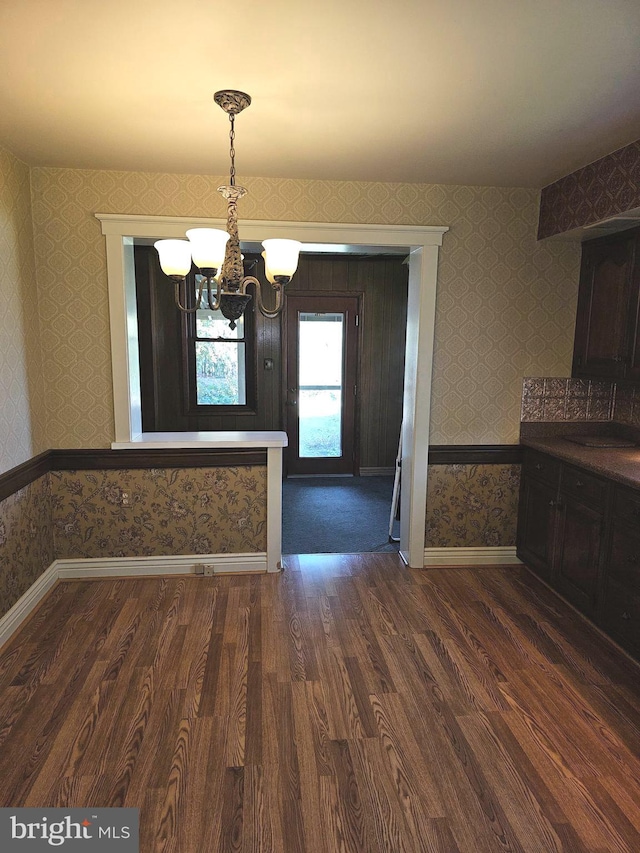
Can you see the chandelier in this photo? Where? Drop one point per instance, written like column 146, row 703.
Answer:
column 221, row 282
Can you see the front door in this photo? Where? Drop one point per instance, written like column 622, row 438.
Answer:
column 322, row 347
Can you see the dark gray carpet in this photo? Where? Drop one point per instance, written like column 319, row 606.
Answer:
column 337, row 515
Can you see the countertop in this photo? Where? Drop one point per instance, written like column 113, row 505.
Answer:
column 202, row 440
column 621, row 464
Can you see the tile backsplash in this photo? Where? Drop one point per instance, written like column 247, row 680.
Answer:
column 554, row 400
column 627, row 406
column 567, row 400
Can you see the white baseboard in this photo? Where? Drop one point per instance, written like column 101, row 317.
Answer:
column 490, row 556
column 181, row 564
column 14, row 617
column 123, row 567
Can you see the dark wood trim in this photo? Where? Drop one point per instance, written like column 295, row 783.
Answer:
column 20, row 476
column 87, row 460
column 475, row 454
column 99, row 460
column 103, row 459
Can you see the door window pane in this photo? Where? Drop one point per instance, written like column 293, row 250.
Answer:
column 320, row 380
column 220, row 373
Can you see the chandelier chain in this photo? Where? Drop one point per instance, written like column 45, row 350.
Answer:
column 222, row 283
column 232, row 151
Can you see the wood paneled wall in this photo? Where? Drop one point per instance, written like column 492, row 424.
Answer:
column 381, row 279
column 383, row 282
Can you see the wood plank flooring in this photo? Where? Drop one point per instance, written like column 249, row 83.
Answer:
column 349, row 704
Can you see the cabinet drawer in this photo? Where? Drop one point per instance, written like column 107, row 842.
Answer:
column 626, row 507
column 542, row 467
column 587, row 488
column 623, row 565
column 620, row 616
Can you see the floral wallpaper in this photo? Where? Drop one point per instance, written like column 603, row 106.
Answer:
column 472, row 506
column 154, row 512
column 26, row 541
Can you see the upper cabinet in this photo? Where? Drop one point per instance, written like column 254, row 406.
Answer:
column 607, row 344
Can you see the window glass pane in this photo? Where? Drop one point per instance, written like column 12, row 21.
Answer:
column 320, row 423
column 320, row 384
column 220, row 373
column 211, row 324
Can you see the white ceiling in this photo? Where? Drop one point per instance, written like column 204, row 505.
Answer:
column 489, row 92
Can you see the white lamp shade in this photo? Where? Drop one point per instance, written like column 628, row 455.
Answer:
column 281, row 257
column 267, row 271
column 175, row 256
column 208, row 247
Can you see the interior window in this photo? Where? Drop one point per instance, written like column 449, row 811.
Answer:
column 217, row 358
column 195, row 372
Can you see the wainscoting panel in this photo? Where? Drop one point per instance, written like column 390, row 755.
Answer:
column 472, row 506
column 26, row 538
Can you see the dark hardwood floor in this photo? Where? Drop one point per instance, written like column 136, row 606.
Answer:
column 349, row 704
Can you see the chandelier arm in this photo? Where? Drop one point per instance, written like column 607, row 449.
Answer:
column 216, row 302
column 176, row 283
column 266, row 312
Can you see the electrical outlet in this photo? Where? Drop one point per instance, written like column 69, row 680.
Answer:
column 124, row 498
column 209, row 570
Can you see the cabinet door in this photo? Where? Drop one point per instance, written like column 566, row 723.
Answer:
column 602, row 342
column 619, row 613
column 632, row 366
column 536, row 525
column 577, row 552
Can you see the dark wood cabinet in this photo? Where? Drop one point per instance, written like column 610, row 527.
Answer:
column 577, row 553
column 606, row 340
column 537, row 516
column 632, row 365
column 581, row 534
column 560, row 526
column 620, row 611
column 536, row 530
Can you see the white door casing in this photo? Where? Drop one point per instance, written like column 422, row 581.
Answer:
column 421, row 242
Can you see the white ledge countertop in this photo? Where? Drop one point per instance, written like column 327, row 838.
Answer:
column 201, row 440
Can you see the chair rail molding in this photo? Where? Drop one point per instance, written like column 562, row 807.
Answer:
column 422, row 245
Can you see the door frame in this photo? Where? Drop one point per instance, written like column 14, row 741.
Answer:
column 422, row 243
column 284, row 343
